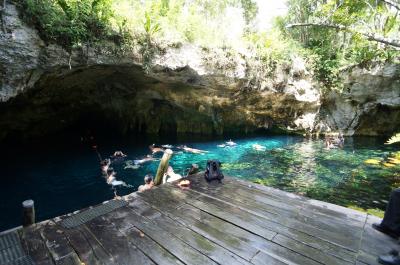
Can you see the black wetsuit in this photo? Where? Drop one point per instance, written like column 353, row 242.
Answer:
column 391, row 220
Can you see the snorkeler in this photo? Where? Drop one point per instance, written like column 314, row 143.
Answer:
column 258, row 147
column 118, row 154
column 192, row 150
column 144, row 160
column 170, row 175
column 155, row 149
column 230, row 143
column 148, row 183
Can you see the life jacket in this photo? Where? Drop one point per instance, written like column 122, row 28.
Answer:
column 213, row 171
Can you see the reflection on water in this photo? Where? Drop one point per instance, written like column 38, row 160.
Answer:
column 65, row 177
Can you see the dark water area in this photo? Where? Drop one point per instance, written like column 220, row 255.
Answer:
column 63, row 175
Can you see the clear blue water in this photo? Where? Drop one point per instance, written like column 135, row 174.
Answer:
column 64, row 175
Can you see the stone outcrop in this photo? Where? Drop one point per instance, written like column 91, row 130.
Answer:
column 369, row 103
column 45, row 89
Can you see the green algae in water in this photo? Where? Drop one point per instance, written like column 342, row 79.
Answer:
column 304, row 166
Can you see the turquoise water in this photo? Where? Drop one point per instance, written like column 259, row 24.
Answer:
column 64, row 175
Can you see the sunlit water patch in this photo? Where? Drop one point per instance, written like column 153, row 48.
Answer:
column 64, row 177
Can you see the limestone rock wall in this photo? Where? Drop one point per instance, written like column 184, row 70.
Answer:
column 369, row 104
column 44, row 89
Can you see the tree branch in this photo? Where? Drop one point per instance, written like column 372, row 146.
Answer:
column 391, row 3
column 369, row 36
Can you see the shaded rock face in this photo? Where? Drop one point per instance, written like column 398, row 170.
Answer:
column 369, row 104
column 46, row 90
column 124, row 100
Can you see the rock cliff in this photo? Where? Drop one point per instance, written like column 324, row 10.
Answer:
column 44, row 89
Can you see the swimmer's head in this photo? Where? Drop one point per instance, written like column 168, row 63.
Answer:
column 148, row 179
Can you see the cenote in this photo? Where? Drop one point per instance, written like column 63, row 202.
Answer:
column 63, row 175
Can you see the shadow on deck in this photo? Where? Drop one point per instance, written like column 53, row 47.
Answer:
column 236, row 222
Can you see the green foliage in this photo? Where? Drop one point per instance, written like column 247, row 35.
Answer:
column 250, row 10
column 394, row 139
column 226, row 24
column 148, row 49
column 69, row 22
column 333, row 49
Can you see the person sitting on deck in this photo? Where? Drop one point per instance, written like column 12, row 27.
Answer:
column 148, row 183
column 171, row 175
column 390, row 224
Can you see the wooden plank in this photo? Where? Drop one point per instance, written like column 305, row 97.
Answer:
column 283, row 255
column 348, row 241
column 255, row 224
column 264, row 258
column 170, row 242
column 87, row 248
column 33, row 245
column 232, row 234
column 215, row 230
column 325, row 208
column 195, row 240
column 345, row 237
column 253, row 199
column 250, row 200
column 116, row 243
column 56, row 242
column 285, row 203
column 199, row 223
column 309, row 252
column 137, row 237
column 235, row 216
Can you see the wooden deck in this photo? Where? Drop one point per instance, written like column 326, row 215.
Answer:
column 236, row 222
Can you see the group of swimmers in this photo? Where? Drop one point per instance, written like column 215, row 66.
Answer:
column 108, row 171
column 334, row 141
column 231, row 143
column 154, row 149
column 110, row 175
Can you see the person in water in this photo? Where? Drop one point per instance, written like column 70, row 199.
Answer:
column 105, row 164
column 192, row 150
column 110, row 176
column 155, row 149
column 144, row 160
column 148, row 183
column 230, row 143
column 118, row 154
